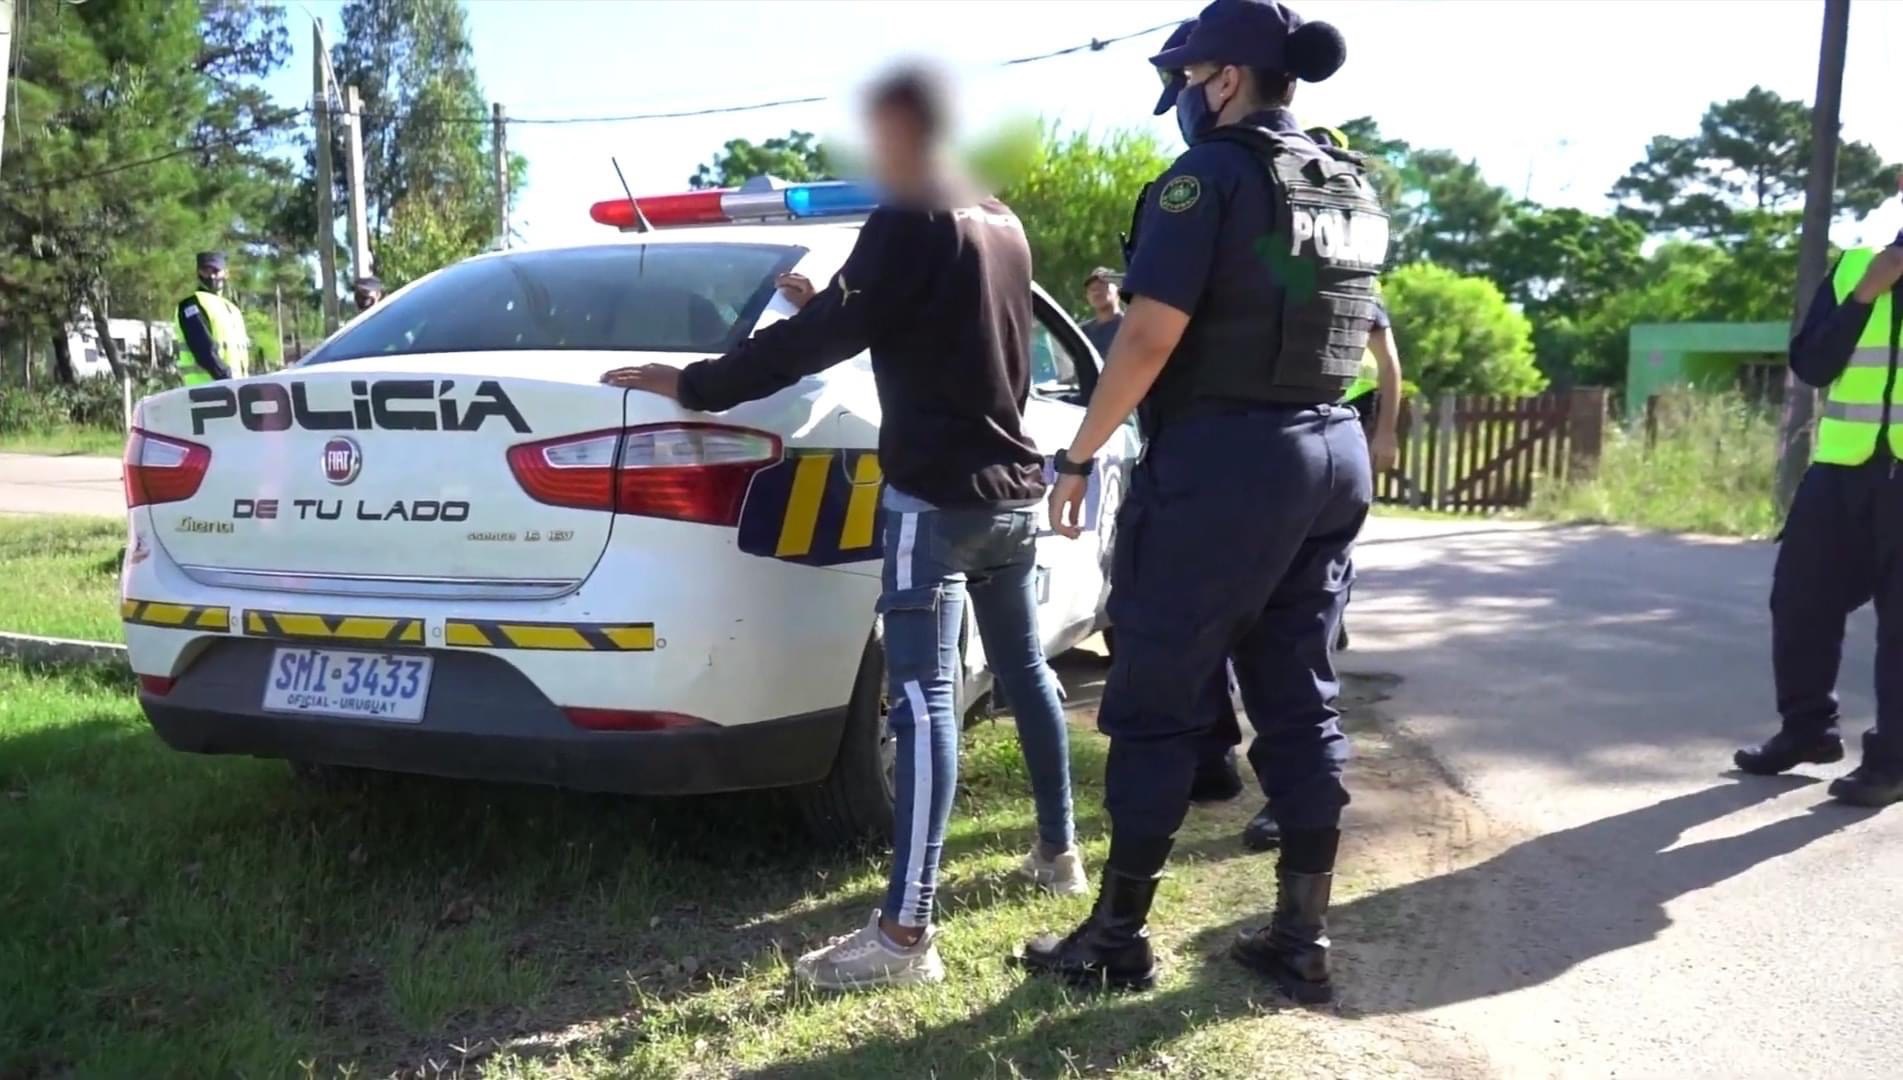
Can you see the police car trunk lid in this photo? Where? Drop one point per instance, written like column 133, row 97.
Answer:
column 386, row 477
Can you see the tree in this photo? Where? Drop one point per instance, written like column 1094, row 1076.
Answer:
column 1441, row 208
column 1458, row 334
column 426, row 131
column 1562, row 261
column 99, row 207
column 1075, row 195
column 794, row 157
column 1750, row 154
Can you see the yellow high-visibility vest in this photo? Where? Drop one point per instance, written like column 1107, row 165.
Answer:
column 1854, row 410
column 1367, row 380
column 228, row 332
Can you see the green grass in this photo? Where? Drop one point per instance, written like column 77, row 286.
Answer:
column 166, row 915
column 1712, row 470
column 62, row 576
column 71, row 439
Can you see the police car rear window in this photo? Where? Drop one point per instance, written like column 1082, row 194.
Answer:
column 701, row 298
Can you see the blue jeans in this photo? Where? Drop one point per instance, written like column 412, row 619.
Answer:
column 933, row 560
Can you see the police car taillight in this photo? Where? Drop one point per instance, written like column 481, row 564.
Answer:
column 162, row 470
column 682, row 472
column 721, row 206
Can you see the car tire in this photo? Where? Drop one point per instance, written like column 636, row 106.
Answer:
column 854, row 802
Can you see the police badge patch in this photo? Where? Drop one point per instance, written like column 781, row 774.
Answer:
column 1180, row 194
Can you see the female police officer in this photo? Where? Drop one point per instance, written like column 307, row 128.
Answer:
column 1253, row 275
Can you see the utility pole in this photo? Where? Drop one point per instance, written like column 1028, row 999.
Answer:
column 6, row 63
column 326, row 215
column 502, row 175
column 1813, row 250
column 359, row 225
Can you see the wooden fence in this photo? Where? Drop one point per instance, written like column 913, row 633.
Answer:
column 1475, row 453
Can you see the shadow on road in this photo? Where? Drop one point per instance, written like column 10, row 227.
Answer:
column 1539, row 908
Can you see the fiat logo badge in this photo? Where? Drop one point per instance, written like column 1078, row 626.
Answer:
column 342, row 460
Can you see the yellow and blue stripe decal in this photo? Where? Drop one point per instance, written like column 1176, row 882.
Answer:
column 817, row 508
column 174, row 616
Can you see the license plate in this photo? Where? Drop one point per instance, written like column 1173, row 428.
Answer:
column 337, row 682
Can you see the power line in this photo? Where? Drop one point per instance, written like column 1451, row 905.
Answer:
column 1093, row 45
column 230, row 139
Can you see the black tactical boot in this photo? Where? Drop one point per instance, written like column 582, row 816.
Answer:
column 1111, row 950
column 1262, row 833
column 1786, row 750
column 1293, row 948
column 1216, row 780
column 1878, row 781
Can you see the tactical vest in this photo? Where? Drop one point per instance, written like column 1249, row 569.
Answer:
column 1327, row 244
column 1367, row 377
column 228, row 332
column 1868, row 396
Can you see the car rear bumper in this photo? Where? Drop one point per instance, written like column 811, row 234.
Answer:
column 485, row 721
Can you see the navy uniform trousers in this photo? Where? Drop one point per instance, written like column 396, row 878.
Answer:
column 1842, row 548
column 1234, row 542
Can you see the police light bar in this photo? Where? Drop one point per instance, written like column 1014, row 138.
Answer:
column 721, row 206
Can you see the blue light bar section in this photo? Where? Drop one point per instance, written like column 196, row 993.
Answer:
column 831, row 198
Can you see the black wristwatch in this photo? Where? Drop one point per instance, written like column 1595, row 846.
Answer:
column 1066, row 467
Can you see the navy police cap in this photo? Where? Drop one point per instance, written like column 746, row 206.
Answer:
column 1259, row 34
column 1173, row 81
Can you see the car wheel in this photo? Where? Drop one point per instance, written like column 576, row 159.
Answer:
column 854, row 802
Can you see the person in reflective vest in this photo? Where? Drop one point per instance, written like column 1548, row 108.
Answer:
column 1842, row 545
column 217, row 346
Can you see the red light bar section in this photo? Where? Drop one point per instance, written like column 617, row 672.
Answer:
column 688, row 208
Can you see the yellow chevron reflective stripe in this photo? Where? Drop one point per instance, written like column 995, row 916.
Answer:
column 802, row 507
column 176, row 616
column 862, row 512
column 383, row 630
column 554, row 637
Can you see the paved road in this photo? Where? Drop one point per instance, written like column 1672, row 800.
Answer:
column 70, row 484
column 1622, row 904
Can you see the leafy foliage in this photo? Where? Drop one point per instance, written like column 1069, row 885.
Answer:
column 1750, row 154
column 426, row 135
column 1075, row 195
column 793, row 157
column 1458, row 334
column 98, row 206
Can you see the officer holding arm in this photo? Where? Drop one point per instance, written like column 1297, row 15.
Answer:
column 1842, row 545
column 1253, row 277
column 216, row 344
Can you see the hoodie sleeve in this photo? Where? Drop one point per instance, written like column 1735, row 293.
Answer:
column 877, row 285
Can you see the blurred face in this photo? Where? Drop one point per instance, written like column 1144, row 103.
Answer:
column 1221, row 86
column 213, row 278
column 900, row 151
column 1099, row 292
column 366, row 298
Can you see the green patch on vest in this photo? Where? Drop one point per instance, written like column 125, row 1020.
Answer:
column 1300, row 278
column 1180, row 194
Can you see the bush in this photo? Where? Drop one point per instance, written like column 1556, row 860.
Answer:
column 1711, row 469
column 1458, row 334
column 89, row 403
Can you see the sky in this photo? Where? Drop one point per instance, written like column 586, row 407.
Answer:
column 1555, row 99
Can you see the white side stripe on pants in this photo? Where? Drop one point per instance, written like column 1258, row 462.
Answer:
column 902, row 560
column 912, row 911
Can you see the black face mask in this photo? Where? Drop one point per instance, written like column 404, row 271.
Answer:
column 1194, row 117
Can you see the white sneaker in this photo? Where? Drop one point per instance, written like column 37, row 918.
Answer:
column 865, row 959
column 1063, row 875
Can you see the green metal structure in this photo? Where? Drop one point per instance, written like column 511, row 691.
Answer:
column 1703, row 355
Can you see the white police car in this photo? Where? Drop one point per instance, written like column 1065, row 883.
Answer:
column 439, row 545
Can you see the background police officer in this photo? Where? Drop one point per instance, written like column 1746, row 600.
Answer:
column 1253, row 276
column 367, row 293
column 1843, row 541
column 217, row 345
